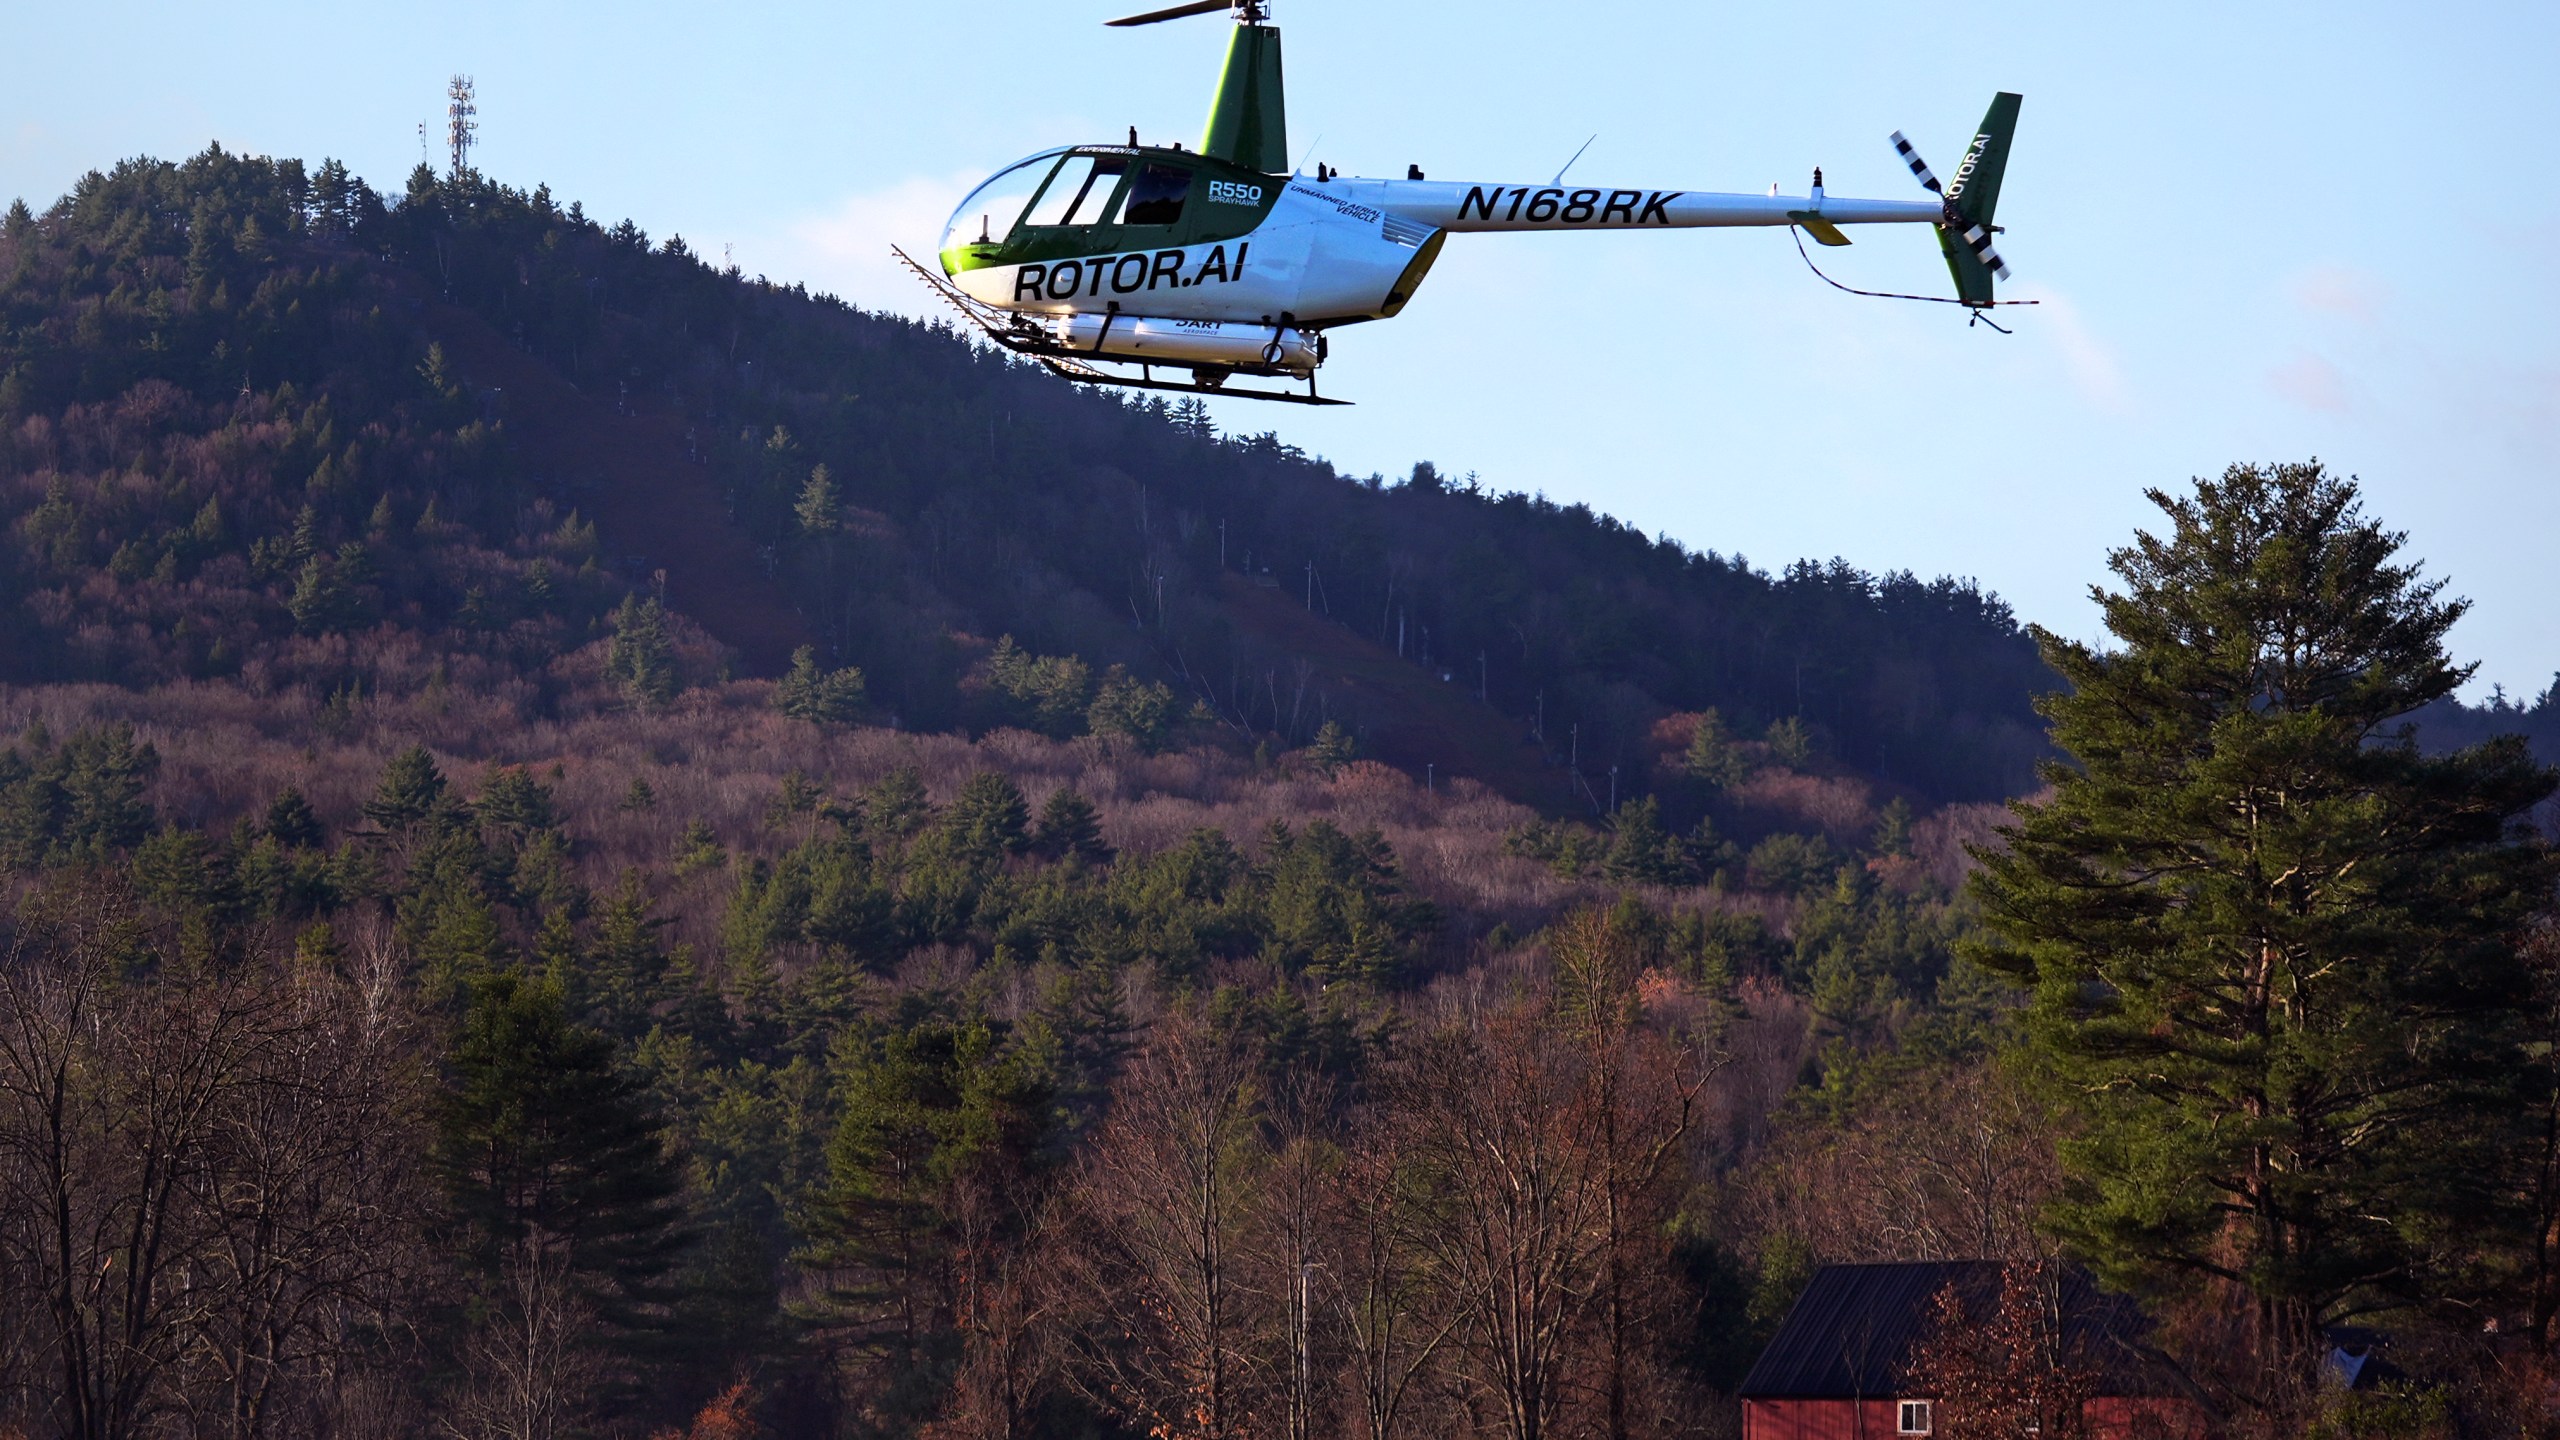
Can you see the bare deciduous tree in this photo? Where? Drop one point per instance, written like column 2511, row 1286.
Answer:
column 530, row 1366
column 1639, row 1099
column 316, row 1187
column 1515, row 1212
column 1393, row 1322
column 203, row 1174
column 1167, row 1193
column 1009, row 1294
column 1287, row 1232
column 110, row 1106
column 1946, row 1165
column 2012, row 1362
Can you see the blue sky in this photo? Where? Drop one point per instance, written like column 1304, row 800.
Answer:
column 2263, row 231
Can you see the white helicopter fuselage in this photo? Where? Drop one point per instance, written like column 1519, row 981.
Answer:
column 1332, row 252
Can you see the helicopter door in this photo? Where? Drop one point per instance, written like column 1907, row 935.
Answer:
column 1157, row 195
column 1080, row 193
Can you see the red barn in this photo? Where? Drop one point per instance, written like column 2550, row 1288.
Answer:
column 1847, row 1364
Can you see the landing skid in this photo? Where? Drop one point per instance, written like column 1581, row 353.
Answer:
column 1084, row 374
column 1024, row 338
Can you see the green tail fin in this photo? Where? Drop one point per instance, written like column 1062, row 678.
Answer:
column 1248, row 125
column 1974, row 191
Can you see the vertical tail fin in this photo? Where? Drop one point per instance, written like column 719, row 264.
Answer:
column 1248, row 124
column 1973, row 193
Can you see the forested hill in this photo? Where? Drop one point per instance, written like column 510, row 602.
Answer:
column 2451, row 725
column 589, row 843
column 259, row 420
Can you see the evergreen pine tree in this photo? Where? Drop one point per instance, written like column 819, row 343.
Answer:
column 319, row 602
column 291, row 821
column 306, row 534
column 1333, row 748
column 511, row 800
column 822, row 697
column 929, row 1112
column 626, row 967
column 989, row 819
column 820, row 507
column 207, row 532
column 448, row 916
column 410, row 790
column 1069, row 825
column 2274, row 948
column 642, row 658
column 1712, row 755
column 1138, row 710
column 103, row 772
column 896, row 807
column 1893, row 828
column 798, row 796
column 1641, row 851
column 543, row 1136
column 1790, row 743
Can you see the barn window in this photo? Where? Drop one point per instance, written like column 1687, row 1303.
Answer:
column 1915, row 1418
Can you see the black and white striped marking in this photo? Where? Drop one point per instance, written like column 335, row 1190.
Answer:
column 1918, row 166
column 1981, row 243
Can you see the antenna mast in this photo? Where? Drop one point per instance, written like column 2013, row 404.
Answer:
column 459, row 127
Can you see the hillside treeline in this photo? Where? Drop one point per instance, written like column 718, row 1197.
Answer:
column 699, row 1060
column 234, row 446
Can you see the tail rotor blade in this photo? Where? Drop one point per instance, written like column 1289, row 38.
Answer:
column 1919, row 167
column 1980, row 242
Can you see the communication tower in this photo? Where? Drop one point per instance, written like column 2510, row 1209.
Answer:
column 459, row 127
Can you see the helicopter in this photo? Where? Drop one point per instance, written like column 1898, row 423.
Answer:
column 1101, row 260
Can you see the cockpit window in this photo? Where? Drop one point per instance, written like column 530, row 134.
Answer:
column 1080, row 192
column 1156, row 196
column 991, row 209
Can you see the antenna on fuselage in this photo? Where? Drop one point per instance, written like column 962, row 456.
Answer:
column 1577, row 155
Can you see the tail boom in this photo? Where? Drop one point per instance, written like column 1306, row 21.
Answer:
column 1464, row 207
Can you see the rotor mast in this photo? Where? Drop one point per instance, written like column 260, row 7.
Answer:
column 1248, row 119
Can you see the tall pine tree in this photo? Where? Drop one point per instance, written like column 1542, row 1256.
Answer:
column 544, row 1137
column 2274, row 948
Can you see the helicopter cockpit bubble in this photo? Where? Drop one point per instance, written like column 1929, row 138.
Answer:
column 991, row 209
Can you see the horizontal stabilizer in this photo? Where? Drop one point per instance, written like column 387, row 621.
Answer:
column 1822, row 231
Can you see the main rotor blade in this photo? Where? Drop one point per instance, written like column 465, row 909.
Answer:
column 1919, row 167
column 1196, row 7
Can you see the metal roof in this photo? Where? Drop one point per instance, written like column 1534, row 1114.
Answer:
column 1853, row 1332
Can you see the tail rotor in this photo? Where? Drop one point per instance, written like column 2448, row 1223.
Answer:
column 1956, row 222
column 1968, row 199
